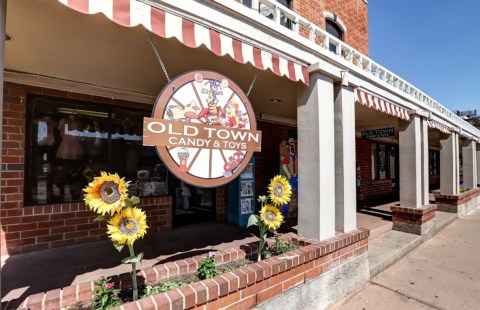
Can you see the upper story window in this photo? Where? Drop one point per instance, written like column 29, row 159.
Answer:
column 335, row 27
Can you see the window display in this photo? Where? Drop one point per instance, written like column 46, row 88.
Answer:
column 68, row 143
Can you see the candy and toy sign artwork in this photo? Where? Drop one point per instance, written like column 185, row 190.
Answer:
column 203, row 128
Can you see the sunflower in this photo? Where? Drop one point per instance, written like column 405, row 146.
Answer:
column 279, row 190
column 106, row 193
column 127, row 226
column 271, row 217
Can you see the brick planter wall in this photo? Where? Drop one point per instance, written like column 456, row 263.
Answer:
column 415, row 221
column 460, row 204
column 240, row 289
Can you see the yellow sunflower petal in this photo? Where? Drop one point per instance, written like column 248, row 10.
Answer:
column 127, row 226
column 271, row 217
column 279, row 190
column 106, row 194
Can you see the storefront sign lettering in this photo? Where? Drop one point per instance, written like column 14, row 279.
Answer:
column 203, row 128
column 378, row 133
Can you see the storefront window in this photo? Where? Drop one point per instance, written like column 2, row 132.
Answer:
column 68, row 144
column 383, row 161
column 434, row 162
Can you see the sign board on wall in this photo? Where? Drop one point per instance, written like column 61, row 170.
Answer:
column 378, row 133
column 203, row 128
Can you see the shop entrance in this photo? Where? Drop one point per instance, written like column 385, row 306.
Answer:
column 191, row 204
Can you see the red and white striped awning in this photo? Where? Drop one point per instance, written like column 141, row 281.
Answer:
column 437, row 125
column 130, row 13
column 379, row 104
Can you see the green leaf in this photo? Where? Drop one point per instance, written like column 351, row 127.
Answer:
column 132, row 259
column 128, row 202
column 101, row 218
column 135, row 200
column 253, row 220
column 118, row 247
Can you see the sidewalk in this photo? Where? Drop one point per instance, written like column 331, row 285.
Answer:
column 442, row 273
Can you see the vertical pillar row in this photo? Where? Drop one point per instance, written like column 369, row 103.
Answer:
column 345, row 162
column 316, row 158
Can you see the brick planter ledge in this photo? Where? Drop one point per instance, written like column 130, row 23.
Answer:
column 240, row 289
column 460, row 204
column 419, row 221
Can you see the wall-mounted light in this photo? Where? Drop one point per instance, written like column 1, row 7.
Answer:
column 276, row 100
column 8, row 37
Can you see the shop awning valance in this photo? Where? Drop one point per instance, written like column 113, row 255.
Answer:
column 381, row 105
column 437, row 125
column 130, row 13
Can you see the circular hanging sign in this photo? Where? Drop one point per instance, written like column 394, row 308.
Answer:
column 203, row 128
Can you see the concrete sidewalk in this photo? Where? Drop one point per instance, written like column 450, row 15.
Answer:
column 442, row 273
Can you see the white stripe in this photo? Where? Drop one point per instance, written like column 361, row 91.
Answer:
column 101, row 6
column 226, row 46
column 266, row 60
column 387, row 104
column 202, row 36
column 364, row 99
column 375, row 101
column 173, row 26
column 298, row 72
column 394, row 111
column 64, row 2
column 283, row 66
column 140, row 14
column 247, row 52
column 382, row 105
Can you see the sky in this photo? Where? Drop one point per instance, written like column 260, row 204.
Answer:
column 433, row 44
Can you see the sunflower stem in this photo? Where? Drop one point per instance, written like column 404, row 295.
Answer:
column 262, row 241
column 134, row 274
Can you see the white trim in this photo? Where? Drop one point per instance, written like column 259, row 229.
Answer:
column 336, row 19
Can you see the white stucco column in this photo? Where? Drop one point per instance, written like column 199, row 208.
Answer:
column 413, row 140
column 316, row 159
column 478, row 162
column 449, row 165
column 345, row 190
column 469, row 151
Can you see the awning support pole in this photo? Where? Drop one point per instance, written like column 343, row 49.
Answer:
column 158, row 55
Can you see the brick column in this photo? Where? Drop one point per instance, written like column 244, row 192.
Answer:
column 316, row 159
column 414, row 215
column 469, row 151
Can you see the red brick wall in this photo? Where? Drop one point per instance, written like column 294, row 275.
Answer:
column 31, row 228
column 353, row 13
column 222, row 202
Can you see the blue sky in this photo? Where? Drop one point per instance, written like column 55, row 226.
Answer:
column 435, row 45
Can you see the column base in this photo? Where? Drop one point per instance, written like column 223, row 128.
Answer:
column 418, row 221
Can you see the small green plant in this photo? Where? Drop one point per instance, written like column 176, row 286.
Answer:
column 151, row 290
column 463, row 189
column 104, row 295
column 280, row 247
column 208, row 268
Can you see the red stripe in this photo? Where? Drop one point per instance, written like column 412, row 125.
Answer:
column 79, row 5
column 215, row 44
column 276, row 64
column 306, row 76
column 158, row 22
column 359, row 97
column 121, row 12
column 291, row 71
column 367, row 99
column 257, row 58
column 188, row 33
column 237, row 51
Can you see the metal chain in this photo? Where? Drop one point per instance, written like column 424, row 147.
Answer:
column 158, row 56
column 253, row 82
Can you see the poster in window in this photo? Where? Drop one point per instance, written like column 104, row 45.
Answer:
column 382, row 162
column 246, row 205
column 246, row 188
column 248, row 172
column 289, row 168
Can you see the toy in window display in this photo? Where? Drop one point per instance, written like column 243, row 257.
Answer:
column 70, row 147
column 289, row 169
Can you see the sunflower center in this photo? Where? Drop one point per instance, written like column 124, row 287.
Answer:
column 278, row 190
column 128, row 226
column 269, row 216
column 109, row 192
